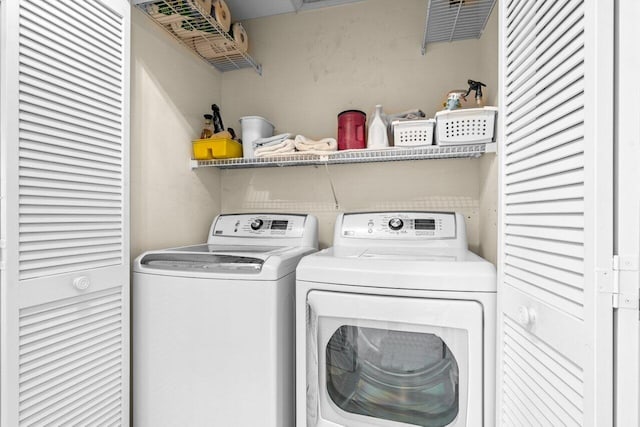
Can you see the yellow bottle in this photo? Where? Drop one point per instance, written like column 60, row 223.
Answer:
column 207, row 129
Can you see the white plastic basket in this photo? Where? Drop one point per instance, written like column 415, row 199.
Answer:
column 468, row 126
column 413, row 133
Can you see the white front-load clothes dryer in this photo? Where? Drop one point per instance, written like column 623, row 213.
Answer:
column 395, row 326
column 213, row 325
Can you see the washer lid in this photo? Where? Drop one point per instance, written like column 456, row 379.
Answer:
column 203, row 262
column 233, row 249
column 237, row 262
column 207, row 258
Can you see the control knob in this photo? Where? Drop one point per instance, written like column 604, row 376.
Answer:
column 256, row 224
column 395, row 224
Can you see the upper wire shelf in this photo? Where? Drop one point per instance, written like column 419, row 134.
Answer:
column 194, row 27
column 353, row 156
column 449, row 20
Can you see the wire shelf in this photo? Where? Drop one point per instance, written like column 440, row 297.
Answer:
column 194, row 28
column 352, row 156
column 449, row 20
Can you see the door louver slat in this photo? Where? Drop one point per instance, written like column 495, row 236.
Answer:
column 51, row 239
column 570, row 236
column 542, row 256
column 104, row 22
column 59, row 172
column 70, row 110
column 526, row 84
column 66, row 86
column 67, row 98
column 548, row 117
column 523, row 95
column 43, row 365
column 71, row 356
column 107, row 415
column 572, row 124
column 521, row 44
column 44, row 167
column 53, row 114
column 549, row 194
column 67, row 139
column 565, row 371
column 70, row 148
column 36, row 51
column 562, row 247
column 60, row 390
column 517, row 17
column 45, row 144
column 518, row 153
column 542, row 273
column 563, row 172
column 84, row 190
column 66, row 39
column 563, row 206
column 545, row 98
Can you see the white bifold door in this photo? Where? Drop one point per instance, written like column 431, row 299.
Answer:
column 557, row 287
column 64, row 280
column 627, row 219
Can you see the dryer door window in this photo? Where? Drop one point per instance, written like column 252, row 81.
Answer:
column 407, row 377
column 393, row 361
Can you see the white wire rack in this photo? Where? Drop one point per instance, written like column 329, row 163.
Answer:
column 449, row 20
column 192, row 26
column 353, row 156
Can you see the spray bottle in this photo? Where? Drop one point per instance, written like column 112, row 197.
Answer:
column 477, row 87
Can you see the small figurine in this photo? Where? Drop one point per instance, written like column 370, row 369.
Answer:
column 453, row 100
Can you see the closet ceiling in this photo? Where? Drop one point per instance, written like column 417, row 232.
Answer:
column 249, row 9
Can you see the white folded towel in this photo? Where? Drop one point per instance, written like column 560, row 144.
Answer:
column 285, row 147
column 271, row 140
column 305, row 144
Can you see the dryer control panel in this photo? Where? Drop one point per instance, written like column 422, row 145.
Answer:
column 259, row 225
column 399, row 225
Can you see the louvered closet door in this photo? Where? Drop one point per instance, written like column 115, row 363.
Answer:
column 65, row 277
column 628, row 214
column 555, row 282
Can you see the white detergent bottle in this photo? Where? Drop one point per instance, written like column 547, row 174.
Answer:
column 377, row 131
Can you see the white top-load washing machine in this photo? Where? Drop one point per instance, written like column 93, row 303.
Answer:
column 213, row 325
column 395, row 325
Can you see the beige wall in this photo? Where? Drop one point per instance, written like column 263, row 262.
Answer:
column 488, row 232
column 170, row 91
column 443, row 185
column 321, row 62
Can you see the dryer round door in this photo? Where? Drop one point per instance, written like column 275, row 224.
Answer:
column 393, row 361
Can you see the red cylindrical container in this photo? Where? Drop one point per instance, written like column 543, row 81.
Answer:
column 352, row 130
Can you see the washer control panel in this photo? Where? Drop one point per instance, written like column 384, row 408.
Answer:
column 399, row 225
column 256, row 225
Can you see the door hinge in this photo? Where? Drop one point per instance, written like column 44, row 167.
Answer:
column 3, row 249
column 621, row 299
